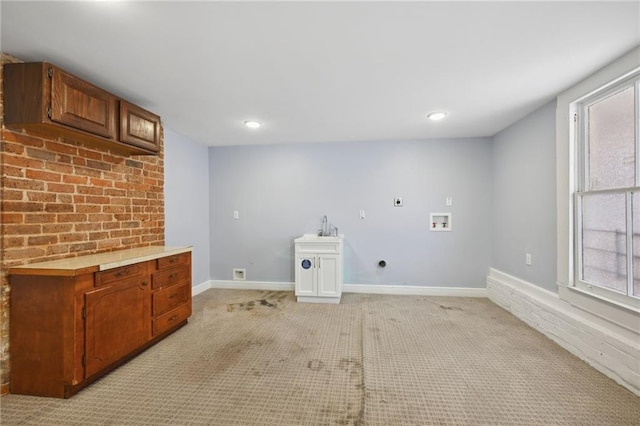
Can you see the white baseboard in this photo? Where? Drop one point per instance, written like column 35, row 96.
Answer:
column 598, row 342
column 348, row 288
column 202, row 287
column 415, row 290
column 252, row 285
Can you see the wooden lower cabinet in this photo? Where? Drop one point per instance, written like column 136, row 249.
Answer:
column 71, row 326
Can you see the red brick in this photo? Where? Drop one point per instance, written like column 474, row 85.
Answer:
column 42, row 240
column 13, row 242
column 60, row 168
column 84, row 171
column 89, row 190
column 83, row 247
column 88, row 208
column 108, row 244
column 12, row 148
column 16, row 172
column 23, row 184
column 40, row 154
column 42, row 175
column 12, row 217
column 82, row 180
column 8, row 194
column 59, row 208
column 111, row 225
column 96, row 226
column 130, row 241
column 121, row 201
column 119, row 233
column 101, row 182
column 113, row 209
column 99, row 236
column 63, row 148
column 23, row 253
column 23, row 139
column 95, row 199
column 72, row 217
column 21, row 206
column 56, row 228
column 60, row 187
column 41, row 218
column 73, row 237
column 41, row 196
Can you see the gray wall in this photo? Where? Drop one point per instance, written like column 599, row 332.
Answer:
column 282, row 191
column 524, row 198
column 186, row 168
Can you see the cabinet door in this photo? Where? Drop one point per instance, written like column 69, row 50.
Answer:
column 139, row 127
column 118, row 321
column 329, row 275
column 80, row 105
column 306, row 275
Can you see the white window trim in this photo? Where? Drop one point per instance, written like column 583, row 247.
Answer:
column 615, row 312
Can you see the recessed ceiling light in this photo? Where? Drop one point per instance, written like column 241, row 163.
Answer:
column 252, row 124
column 435, row 116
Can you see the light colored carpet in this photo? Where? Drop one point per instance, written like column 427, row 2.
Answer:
column 260, row 358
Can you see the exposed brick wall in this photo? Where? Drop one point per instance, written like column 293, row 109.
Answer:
column 61, row 198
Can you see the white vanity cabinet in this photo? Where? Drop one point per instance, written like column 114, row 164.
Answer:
column 318, row 269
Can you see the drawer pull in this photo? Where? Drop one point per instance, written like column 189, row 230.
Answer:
column 173, row 318
column 173, row 260
column 121, row 274
column 174, row 295
column 172, row 276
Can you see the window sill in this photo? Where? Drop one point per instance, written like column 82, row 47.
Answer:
column 615, row 312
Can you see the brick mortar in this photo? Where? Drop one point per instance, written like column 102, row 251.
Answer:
column 62, row 198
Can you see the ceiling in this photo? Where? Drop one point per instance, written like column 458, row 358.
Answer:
column 326, row 71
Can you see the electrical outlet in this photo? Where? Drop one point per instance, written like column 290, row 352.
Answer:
column 527, row 259
column 449, row 201
column 361, row 214
column 236, row 214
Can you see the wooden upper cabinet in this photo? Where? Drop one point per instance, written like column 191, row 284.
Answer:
column 78, row 104
column 139, row 127
column 41, row 97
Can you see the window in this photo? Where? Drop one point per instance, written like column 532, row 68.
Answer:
column 607, row 200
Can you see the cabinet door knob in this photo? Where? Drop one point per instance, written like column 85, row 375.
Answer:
column 145, row 283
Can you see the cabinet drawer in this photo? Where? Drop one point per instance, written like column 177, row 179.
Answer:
column 171, row 276
column 171, row 319
column 117, row 274
column 169, row 298
column 177, row 259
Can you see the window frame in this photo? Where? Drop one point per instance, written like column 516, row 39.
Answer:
column 580, row 187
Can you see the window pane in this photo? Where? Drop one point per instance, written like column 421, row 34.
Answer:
column 604, row 241
column 612, row 142
column 636, row 243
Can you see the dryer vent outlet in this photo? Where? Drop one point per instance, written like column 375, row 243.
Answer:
column 239, row 274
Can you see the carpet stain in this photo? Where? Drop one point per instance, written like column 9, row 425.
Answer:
column 315, row 365
column 250, row 305
column 451, row 308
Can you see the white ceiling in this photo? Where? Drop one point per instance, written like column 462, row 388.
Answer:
column 326, row 71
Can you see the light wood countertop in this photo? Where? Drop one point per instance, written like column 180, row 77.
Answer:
column 97, row 262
